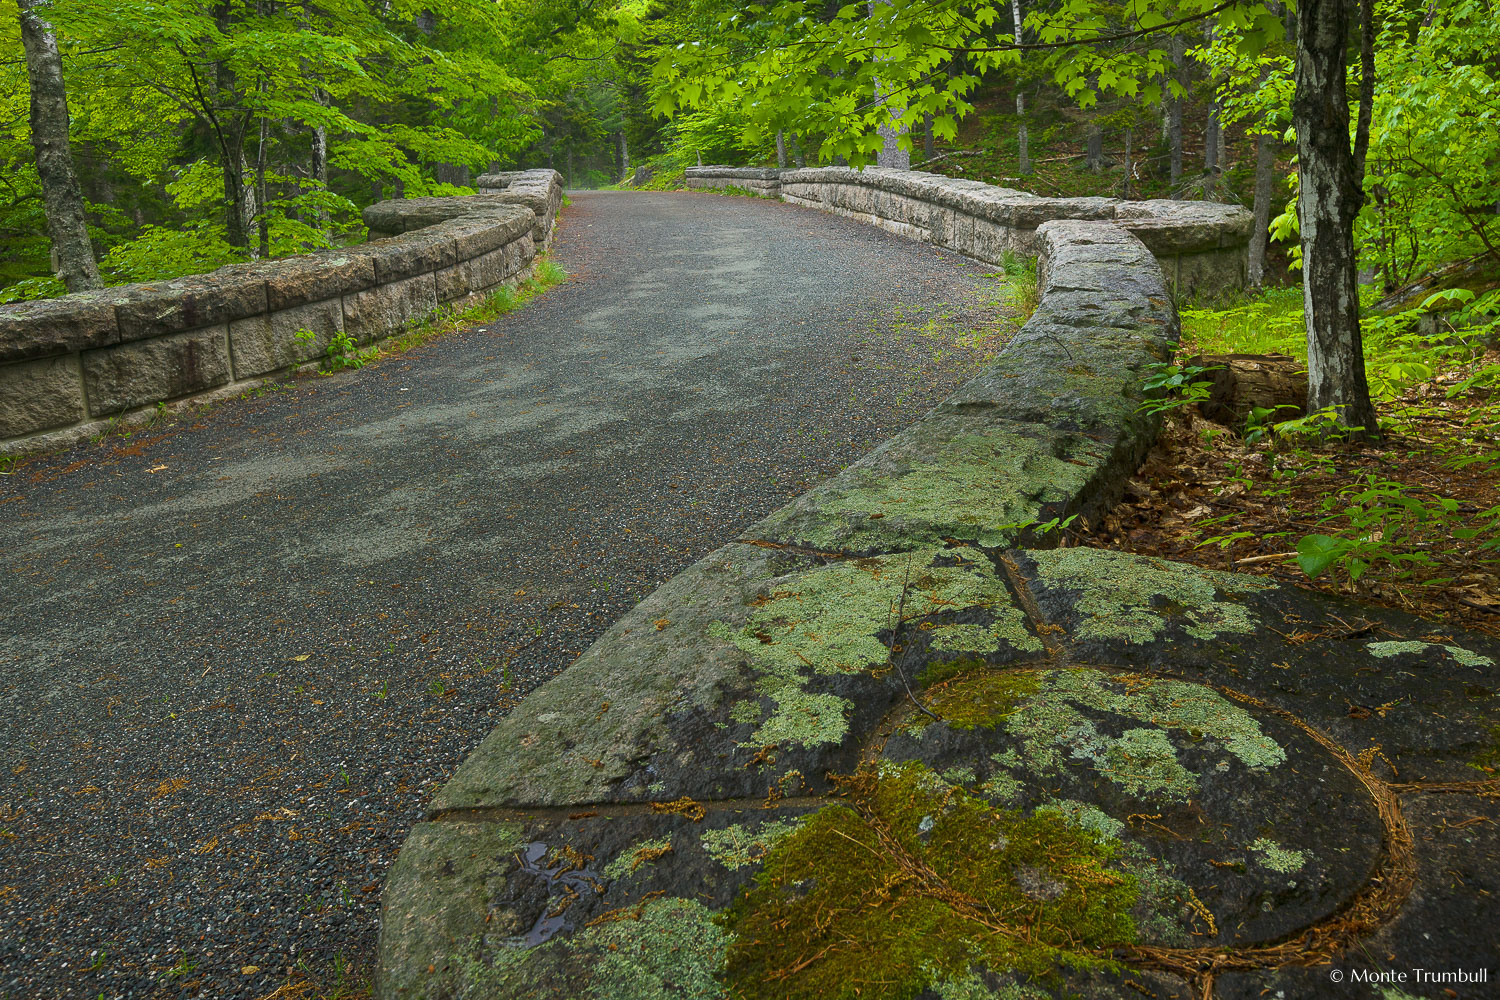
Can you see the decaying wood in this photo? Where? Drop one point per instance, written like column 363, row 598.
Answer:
column 1242, row 382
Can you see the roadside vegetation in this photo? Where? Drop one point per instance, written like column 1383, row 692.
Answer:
column 1410, row 520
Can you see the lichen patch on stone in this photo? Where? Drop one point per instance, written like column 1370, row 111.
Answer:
column 1052, row 716
column 830, row 620
column 636, row 856
column 742, row 845
column 1277, row 858
column 1465, row 657
column 1131, row 597
column 981, row 487
column 624, row 959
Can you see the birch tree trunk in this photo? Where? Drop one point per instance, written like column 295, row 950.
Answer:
column 1265, row 177
column 1174, row 115
column 61, row 196
column 892, row 129
column 624, row 158
column 1331, row 195
column 1021, row 136
column 781, row 149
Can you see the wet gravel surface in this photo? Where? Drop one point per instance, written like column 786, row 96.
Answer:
column 239, row 653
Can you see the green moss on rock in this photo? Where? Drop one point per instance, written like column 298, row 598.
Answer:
column 979, row 699
column 913, row 883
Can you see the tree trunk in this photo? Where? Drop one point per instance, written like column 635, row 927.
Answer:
column 1211, row 153
column 1174, row 116
column 1021, row 136
column 1221, row 136
column 624, row 158
column 1094, row 157
column 892, row 129
column 1331, row 195
column 801, row 160
column 1125, row 189
column 62, row 198
column 781, row 149
column 262, row 223
column 1265, row 177
column 320, row 163
column 929, row 148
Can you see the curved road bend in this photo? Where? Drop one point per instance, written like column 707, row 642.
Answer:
column 238, row 654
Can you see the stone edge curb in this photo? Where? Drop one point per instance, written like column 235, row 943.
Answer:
column 1079, row 262
column 75, row 366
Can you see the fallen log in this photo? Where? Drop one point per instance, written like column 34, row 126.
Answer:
column 1243, row 382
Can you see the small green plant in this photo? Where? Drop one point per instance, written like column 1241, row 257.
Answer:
column 184, row 965
column 1259, row 423
column 1380, row 521
column 1319, row 425
column 1020, row 274
column 384, row 690
column 342, row 352
column 1176, row 386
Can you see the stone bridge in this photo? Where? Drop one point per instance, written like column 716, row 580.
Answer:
column 873, row 738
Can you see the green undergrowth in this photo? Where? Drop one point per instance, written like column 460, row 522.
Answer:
column 1380, row 518
column 913, row 883
column 1397, row 353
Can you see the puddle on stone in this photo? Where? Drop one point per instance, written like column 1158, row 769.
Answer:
column 560, row 880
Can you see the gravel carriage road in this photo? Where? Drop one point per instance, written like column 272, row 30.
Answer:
column 240, row 652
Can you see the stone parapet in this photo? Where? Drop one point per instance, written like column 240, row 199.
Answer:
column 539, row 190
column 70, row 365
column 756, row 180
column 1203, row 247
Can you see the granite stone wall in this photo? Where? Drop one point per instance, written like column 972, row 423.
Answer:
column 69, row 366
column 1201, row 246
column 765, row 182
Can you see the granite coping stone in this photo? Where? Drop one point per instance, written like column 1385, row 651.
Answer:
column 48, row 327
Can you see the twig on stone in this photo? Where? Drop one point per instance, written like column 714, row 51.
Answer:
column 899, row 616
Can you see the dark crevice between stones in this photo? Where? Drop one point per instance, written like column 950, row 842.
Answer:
column 521, row 814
